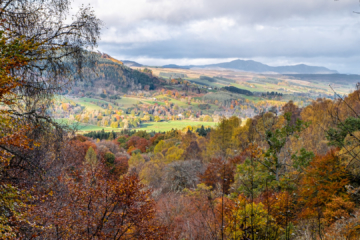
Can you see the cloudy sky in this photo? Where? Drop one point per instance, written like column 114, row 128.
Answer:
column 278, row 32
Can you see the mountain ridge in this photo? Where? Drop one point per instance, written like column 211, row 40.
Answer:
column 258, row 67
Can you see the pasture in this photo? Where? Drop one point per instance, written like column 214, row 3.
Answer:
column 148, row 126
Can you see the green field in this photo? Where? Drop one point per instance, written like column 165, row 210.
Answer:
column 126, row 102
column 166, row 126
column 150, row 126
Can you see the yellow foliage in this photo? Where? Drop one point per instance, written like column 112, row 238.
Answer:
column 174, row 154
column 248, row 214
column 136, row 161
column 152, row 172
column 164, row 144
column 222, row 138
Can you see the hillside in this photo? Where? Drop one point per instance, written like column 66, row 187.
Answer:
column 131, row 63
column 111, row 77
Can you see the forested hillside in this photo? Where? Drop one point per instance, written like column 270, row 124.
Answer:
column 111, row 77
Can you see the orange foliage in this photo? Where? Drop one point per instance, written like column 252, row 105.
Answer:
column 220, row 172
column 95, row 207
column 82, row 146
column 322, row 189
column 131, row 149
column 281, row 206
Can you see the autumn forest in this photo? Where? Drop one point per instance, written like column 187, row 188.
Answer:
column 269, row 166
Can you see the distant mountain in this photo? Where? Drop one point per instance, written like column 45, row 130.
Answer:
column 177, row 66
column 131, row 63
column 253, row 66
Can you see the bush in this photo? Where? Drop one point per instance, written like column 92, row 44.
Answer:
column 103, row 95
column 109, row 158
column 115, row 97
column 204, row 106
column 136, row 151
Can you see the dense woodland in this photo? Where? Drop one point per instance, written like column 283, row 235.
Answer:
column 288, row 175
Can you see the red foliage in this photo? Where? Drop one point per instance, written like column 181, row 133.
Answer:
column 80, row 146
column 121, row 166
column 219, row 171
column 188, row 217
column 139, row 143
column 142, row 144
column 132, row 141
column 95, row 207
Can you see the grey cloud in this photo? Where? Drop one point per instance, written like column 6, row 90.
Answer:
column 298, row 30
column 126, row 13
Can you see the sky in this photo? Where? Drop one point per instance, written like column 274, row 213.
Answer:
column 278, row 32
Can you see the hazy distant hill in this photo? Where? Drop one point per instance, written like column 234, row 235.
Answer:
column 177, row 66
column 253, row 66
column 131, row 63
column 329, row 78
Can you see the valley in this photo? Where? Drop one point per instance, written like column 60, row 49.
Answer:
column 116, row 96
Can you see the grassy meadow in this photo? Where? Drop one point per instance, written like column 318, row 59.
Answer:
column 148, row 126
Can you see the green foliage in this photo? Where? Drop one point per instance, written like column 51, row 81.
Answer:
column 302, row 160
column 202, row 131
column 204, row 106
column 238, row 90
column 209, row 79
column 109, row 158
column 277, row 139
column 337, row 135
column 136, row 151
column 122, row 139
column 142, row 134
column 251, row 178
column 100, row 134
column 223, row 98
